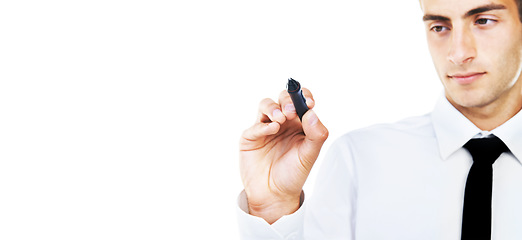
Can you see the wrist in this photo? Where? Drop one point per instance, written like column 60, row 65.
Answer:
column 273, row 210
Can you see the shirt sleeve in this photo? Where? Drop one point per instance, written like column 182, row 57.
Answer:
column 331, row 209
column 256, row 228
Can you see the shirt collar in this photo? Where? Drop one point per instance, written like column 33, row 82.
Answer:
column 511, row 134
column 453, row 130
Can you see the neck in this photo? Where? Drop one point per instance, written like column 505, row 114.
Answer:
column 498, row 112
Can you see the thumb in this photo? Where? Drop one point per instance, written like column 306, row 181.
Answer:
column 315, row 135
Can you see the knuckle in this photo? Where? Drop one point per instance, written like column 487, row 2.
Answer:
column 284, row 96
column 324, row 135
column 246, row 133
column 250, row 133
column 307, row 92
column 265, row 101
column 266, row 104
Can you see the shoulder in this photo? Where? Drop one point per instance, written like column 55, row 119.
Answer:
column 415, row 126
column 408, row 129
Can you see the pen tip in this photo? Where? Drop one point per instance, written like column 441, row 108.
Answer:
column 293, row 85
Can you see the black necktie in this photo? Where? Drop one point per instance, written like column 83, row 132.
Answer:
column 476, row 218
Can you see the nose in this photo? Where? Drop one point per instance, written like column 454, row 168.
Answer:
column 462, row 49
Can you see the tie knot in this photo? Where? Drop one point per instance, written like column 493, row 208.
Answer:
column 485, row 150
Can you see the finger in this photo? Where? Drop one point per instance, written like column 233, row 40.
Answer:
column 287, row 105
column 258, row 132
column 315, row 136
column 289, row 108
column 270, row 111
column 310, row 102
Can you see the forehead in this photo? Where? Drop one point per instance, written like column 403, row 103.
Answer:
column 459, row 7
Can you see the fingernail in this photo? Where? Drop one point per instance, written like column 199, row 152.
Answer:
column 309, row 100
column 313, row 118
column 290, row 108
column 277, row 114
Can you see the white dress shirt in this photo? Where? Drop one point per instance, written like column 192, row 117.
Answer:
column 401, row 181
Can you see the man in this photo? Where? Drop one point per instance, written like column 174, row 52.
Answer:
column 412, row 179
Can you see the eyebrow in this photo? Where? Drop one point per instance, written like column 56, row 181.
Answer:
column 431, row 17
column 474, row 11
column 484, row 8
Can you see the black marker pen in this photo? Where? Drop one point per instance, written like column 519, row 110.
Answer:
column 294, row 89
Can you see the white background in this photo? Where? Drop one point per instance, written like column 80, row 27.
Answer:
column 120, row 119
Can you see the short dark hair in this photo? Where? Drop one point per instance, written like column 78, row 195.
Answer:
column 519, row 4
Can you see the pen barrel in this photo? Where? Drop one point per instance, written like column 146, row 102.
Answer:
column 299, row 102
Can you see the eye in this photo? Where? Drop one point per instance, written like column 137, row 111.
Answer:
column 438, row 29
column 484, row 21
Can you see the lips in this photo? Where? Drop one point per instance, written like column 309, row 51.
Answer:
column 466, row 78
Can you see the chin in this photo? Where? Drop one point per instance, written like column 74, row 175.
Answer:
column 468, row 99
column 471, row 101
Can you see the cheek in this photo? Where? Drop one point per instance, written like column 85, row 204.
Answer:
column 509, row 59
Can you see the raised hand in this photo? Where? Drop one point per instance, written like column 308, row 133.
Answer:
column 277, row 154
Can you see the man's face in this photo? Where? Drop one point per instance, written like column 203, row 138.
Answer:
column 476, row 46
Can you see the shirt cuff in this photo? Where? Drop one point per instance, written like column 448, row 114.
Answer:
column 252, row 227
